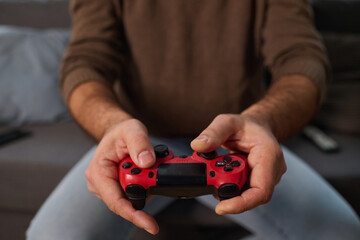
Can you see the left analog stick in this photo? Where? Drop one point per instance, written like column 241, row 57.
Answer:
column 161, row 151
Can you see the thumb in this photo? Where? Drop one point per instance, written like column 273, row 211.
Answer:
column 138, row 143
column 219, row 130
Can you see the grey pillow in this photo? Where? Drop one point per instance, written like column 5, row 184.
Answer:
column 29, row 65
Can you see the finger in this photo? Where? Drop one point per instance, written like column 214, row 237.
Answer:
column 91, row 188
column 219, row 130
column 248, row 200
column 262, row 181
column 138, row 143
column 115, row 200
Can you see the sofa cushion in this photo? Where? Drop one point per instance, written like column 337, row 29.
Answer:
column 31, row 167
column 344, row 54
column 334, row 165
column 31, row 13
column 29, row 65
column 341, row 110
column 14, row 224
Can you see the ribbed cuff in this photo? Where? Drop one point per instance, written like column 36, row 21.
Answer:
column 77, row 77
column 308, row 67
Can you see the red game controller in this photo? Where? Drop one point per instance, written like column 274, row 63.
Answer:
column 184, row 176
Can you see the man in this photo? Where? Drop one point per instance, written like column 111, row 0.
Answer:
column 187, row 68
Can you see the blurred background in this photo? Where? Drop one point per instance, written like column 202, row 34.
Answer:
column 47, row 143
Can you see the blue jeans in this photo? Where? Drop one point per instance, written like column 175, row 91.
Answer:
column 303, row 206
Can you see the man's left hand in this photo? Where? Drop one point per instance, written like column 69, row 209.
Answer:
column 242, row 133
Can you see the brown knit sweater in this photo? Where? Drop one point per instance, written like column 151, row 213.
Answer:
column 176, row 64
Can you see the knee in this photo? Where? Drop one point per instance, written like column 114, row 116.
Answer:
column 35, row 231
column 45, row 227
column 40, row 229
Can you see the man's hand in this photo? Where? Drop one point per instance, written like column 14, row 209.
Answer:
column 96, row 109
column 265, row 159
column 128, row 137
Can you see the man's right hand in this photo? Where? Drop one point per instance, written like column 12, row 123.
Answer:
column 129, row 137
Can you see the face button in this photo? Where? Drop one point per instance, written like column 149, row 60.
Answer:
column 135, row 171
column 208, row 156
column 161, row 151
column 151, row 174
column 127, row 165
column 220, row 164
column 182, row 156
column 228, row 168
column 212, row 173
column 227, row 159
column 235, row 164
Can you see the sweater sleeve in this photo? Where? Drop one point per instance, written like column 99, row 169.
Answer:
column 96, row 51
column 291, row 45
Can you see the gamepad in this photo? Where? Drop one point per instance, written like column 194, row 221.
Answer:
column 184, row 176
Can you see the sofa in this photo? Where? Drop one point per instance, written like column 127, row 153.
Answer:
column 33, row 35
column 339, row 116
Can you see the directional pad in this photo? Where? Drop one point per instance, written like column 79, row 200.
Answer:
column 228, row 168
column 227, row 159
column 220, row 163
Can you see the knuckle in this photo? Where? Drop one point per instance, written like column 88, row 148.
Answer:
column 131, row 217
column 227, row 119
column 135, row 130
column 112, row 207
column 277, row 152
column 280, row 153
column 266, row 196
column 280, row 156
column 138, row 143
column 240, row 208
column 140, row 138
column 134, row 123
column 127, row 126
column 284, row 168
column 210, row 131
column 111, row 204
column 88, row 175
column 91, row 188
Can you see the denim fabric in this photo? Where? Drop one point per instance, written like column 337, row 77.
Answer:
column 303, row 206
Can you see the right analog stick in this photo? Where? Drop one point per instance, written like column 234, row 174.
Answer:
column 228, row 190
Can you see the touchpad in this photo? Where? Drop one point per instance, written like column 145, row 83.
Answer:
column 181, row 174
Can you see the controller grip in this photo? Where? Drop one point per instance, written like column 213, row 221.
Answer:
column 137, row 204
column 137, row 195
